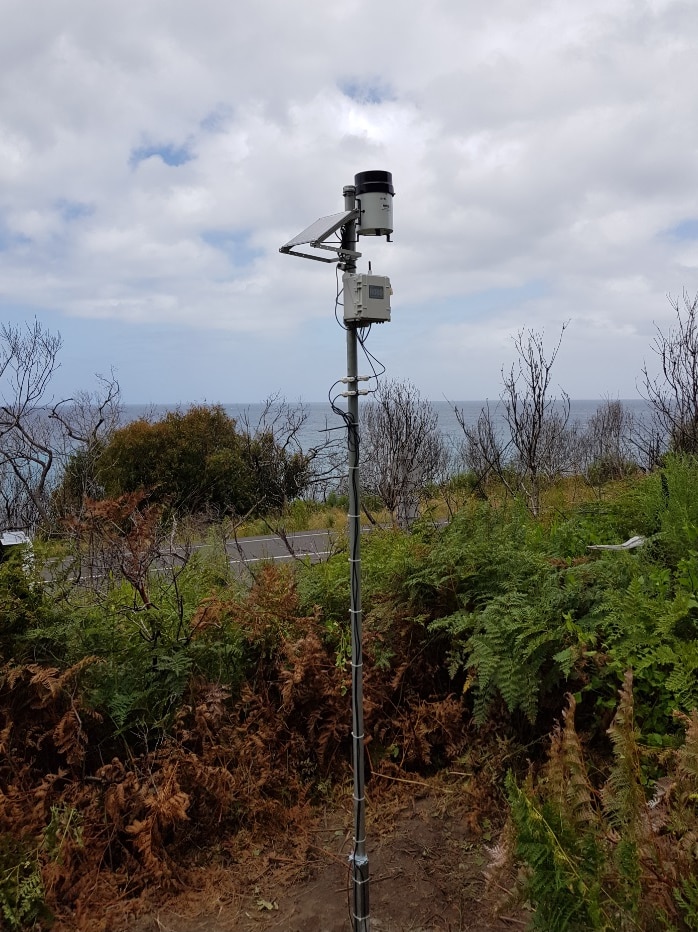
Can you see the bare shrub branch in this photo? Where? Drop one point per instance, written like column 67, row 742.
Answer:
column 38, row 435
column 402, row 448
column 533, row 445
column 605, row 443
column 673, row 394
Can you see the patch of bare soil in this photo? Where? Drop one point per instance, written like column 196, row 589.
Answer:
column 426, row 857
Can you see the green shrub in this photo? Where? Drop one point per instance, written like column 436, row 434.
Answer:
column 337, row 500
column 194, row 461
column 148, row 655
column 21, row 885
column 24, row 608
column 388, row 559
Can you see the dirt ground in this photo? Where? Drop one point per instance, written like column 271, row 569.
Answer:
column 426, row 858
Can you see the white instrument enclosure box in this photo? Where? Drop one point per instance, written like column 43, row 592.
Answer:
column 366, row 298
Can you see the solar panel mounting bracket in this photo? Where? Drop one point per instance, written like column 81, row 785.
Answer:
column 316, row 235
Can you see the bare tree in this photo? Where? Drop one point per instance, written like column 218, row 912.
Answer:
column 647, row 442
column 28, row 359
column 533, row 443
column 38, row 434
column 605, row 442
column 455, row 487
column 673, row 394
column 402, row 448
column 484, row 446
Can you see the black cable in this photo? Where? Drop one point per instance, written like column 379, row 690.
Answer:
column 371, row 359
column 337, row 302
column 357, row 665
column 353, row 442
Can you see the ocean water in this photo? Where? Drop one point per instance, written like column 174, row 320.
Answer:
column 321, row 422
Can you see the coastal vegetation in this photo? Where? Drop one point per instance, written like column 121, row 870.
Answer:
column 153, row 709
column 196, row 462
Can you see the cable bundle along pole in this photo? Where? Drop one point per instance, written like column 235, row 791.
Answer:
column 359, row 857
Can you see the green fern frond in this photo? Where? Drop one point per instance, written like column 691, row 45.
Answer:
column 563, row 881
column 21, row 891
column 514, row 639
column 687, row 901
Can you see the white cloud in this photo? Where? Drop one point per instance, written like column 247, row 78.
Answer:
column 552, row 145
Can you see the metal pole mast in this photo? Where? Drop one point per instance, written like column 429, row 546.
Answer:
column 359, row 857
column 367, row 210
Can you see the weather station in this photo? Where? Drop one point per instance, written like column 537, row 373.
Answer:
column 368, row 211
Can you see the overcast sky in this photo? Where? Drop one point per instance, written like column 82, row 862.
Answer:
column 154, row 156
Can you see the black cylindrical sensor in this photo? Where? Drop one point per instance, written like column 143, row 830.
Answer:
column 380, row 182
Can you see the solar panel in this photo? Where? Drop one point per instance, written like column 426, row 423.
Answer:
column 320, row 229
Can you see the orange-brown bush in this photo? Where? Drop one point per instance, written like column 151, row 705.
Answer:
column 229, row 761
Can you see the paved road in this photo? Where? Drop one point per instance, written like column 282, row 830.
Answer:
column 317, row 545
column 313, row 545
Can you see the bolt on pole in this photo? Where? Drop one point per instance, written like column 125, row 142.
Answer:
column 359, row 857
